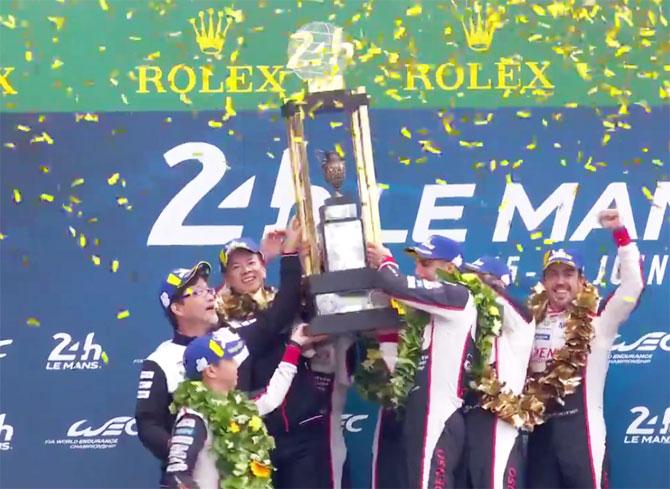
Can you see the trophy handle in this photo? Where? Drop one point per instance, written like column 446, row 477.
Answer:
column 365, row 171
column 303, row 190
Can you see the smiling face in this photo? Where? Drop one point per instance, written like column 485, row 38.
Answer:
column 562, row 282
column 245, row 272
column 194, row 310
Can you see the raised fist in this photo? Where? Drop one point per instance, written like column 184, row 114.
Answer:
column 609, row 219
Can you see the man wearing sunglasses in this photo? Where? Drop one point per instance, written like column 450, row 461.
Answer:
column 188, row 303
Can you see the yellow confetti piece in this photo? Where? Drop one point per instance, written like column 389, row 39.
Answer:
column 440, row 181
column 72, row 231
column 339, row 150
column 647, row 193
column 67, row 208
column 621, row 51
column 523, row 114
column 539, row 10
column 421, row 160
column 29, row 56
column 123, row 314
column 75, row 200
column 215, row 124
column 153, row 56
column 334, row 124
column 532, row 145
column 10, row 145
column 44, row 138
column 383, row 186
column 113, row 179
column 96, row 260
column 406, row 132
column 57, row 63
column 17, row 195
column 404, row 161
column 2, row 236
column 471, row 144
column 427, row 145
column 114, row 266
column 103, row 5
column 536, row 235
column 46, row 198
column 414, row 11
column 9, row 21
column 393, row 93
column 519, row 248
column 33, row 322
column 104, row 357
column 121, row 200
column 82, row 241
column 77, row 182
column 22, row 128
column 58, row 22
column 606, row 138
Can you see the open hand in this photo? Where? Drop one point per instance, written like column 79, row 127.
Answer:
column 271, row 244
column 609, row 219
column 293, row 236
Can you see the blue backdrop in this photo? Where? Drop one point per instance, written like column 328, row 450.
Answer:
column 91, row 222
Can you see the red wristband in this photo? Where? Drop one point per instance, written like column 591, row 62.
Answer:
column 292, row 354
column 621, row 236
column 388, row 260
column 388, row 338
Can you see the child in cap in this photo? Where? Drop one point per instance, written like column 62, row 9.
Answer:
column 218, row 432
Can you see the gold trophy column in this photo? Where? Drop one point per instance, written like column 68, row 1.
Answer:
column 365, row 171
column 303, row 189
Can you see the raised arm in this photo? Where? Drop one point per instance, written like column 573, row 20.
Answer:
column 618, row 306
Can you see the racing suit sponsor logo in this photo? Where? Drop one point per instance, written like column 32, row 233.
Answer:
column 648, row 427
column 84, row 435
column 73, row 355
column 640, row 351
column 6, row 434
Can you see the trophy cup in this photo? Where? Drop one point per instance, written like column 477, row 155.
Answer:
column 341, row 287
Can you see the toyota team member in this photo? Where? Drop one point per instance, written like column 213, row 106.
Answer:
column 569, row 449
column 433, row 426
column 188, row 303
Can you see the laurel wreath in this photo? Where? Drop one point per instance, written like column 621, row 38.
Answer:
column 374, row 381
column 231, row 305
column 241, row 442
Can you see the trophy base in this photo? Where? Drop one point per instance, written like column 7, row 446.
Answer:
column 348, row 322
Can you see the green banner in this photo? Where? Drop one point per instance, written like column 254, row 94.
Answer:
column 112, row 55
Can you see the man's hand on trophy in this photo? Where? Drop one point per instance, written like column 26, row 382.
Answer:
column 376, row 254
column 292, row 236
column 609, row 219
column 302, row 336
column 271, row 244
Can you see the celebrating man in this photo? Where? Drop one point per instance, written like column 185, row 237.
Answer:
column 570, row 360
column 434, row 429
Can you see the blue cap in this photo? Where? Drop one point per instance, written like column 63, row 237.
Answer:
column 208, row 350
column 177, row 280
column 562, row 255
column 438, row 248
column 237, row 244
column 493, row 266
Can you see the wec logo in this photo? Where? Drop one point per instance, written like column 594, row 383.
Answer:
column 114, row 427
column 640, row 351
column 70, row 355
column 86, row 436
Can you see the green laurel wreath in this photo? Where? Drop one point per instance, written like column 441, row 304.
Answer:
column 241, row 442
column 373, row 380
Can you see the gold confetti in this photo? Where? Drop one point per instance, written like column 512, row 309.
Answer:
column 339, row 150
column 77, row 182
column 33, row 322
column 104, row 357
column 519, row 248
column 46, row 198
column 334, row 124
column 123, row 314
column 17, row 196
column 22, row 128
column 57, row 63
column 215, row 124
column 82, row 241
column 523, row 114
column 121, row 200
column 647, row 193
column 471, row 144
column 440, row 181
column 96, row 260
column 536, row 235
column 113, row 179
column 406, row 132
column 414, row 11
column 427, row 145
column 103, row 5
column 9, row 21
column 114, row 267
column 532, row 145
column 58, row 22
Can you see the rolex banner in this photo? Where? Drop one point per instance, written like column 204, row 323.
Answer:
column 139, row 136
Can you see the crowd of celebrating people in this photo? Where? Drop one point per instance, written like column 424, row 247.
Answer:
column 500, row 395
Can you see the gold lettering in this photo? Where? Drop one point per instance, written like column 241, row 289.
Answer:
column 423, row 70
column 539, row 74
column 172, row 75
column 7, row 88
column 155, row 78
column 206, row 75
column 506, row 71
column 474, row 75
column 275, row 86
column 439, row 76
column 235, row 77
